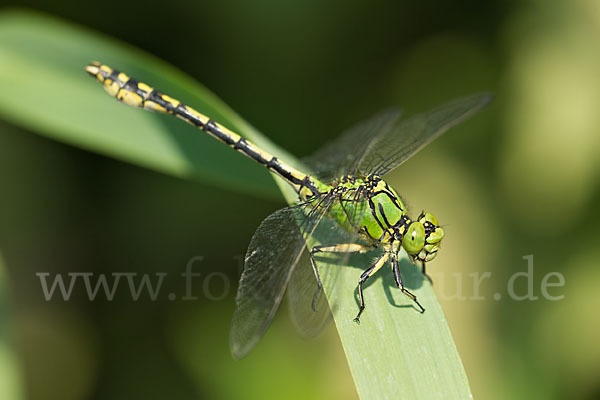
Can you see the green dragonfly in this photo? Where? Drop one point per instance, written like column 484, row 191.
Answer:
column 349, row 207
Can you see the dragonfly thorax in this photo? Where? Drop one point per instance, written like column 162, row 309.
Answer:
column 373, row 208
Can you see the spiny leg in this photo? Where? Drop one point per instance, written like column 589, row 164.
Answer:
column 338, row 248
column 365, row 275
column 400, row 283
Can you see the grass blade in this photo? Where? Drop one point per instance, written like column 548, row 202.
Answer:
column 396, row 352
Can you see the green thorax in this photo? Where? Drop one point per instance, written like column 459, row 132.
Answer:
column 368, row 205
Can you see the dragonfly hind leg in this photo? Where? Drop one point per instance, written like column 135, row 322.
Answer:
column 338, row 248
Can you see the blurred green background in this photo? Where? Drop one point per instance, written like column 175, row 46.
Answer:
column 519, row 179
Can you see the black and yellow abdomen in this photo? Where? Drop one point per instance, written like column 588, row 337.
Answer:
column 138, row 94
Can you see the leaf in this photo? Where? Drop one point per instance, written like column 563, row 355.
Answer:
column 396, row 352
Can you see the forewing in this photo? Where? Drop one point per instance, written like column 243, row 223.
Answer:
column 395, row 145
column 310, row 321
column 342, row 156
column 273, row 253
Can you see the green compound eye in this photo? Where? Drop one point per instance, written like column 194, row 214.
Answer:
column 436, row 236
column 414, row 238
column 428, row 217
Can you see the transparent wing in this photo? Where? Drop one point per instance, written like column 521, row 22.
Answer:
column 272, row 256
column 303, row 284
column 397, row 143
column 301, row 291
column 384, row 141
column 343, row 155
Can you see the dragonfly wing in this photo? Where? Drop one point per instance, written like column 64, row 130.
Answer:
column 396, row 144
column 272, row 256
column 342, row 156
column 301, row 291
column 310, row 321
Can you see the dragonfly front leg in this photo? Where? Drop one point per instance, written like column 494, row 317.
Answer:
column 426, row 274
column 338, row 248
column 400, row 283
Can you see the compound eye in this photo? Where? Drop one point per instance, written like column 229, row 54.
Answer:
column 414, row 238
column 428, row 217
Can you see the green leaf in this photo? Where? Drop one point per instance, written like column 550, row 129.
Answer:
column 396, row 352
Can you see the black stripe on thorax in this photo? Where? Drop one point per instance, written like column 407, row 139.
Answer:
column 379, row 239
column 392, row 198
column 374, row 213
column 384, row 216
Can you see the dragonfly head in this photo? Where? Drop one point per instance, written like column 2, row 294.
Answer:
column 421, row 238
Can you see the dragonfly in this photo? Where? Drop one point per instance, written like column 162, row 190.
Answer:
column 344, row 202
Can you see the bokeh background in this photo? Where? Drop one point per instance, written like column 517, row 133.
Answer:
column 519, row 179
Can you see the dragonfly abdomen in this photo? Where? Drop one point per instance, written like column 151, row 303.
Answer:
column 138, row 94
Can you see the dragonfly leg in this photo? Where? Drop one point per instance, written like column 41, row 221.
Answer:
column 427, row 275
column 338, row 248
column 364, row 276
column 400, row 283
